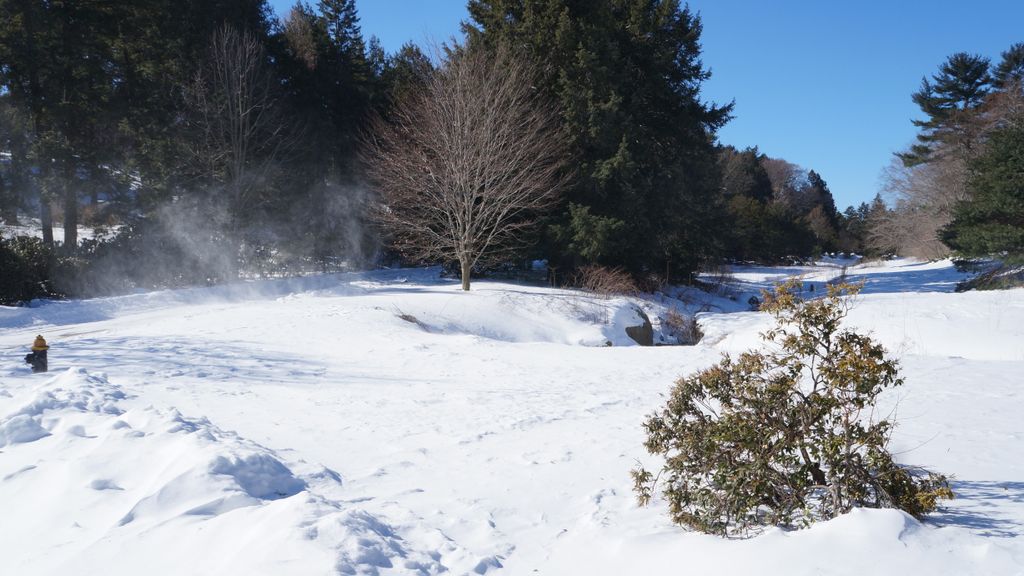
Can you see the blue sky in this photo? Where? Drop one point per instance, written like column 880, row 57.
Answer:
column 824, row 84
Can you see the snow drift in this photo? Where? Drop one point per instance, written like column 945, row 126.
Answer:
column 304, row 427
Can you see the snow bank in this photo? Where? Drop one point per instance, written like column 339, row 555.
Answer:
column 861, row 542
column 122, row 489
column 492, row 310
column 476, row 435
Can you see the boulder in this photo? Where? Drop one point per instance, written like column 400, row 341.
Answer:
column 642, row 334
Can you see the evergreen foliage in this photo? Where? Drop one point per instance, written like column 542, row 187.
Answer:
column 743, row 174
column 99, row 106
column 960, row 86
column 627, row 76
column 26, row 264
column 775, row 218
column 933, row 183
column 855, row 226
column 991, row 221
column 1010, row 69
column 784, row 437
column 108, row 114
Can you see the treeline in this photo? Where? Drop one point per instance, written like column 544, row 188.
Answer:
column 959, row 189
column 779, row 211
column 216, row 140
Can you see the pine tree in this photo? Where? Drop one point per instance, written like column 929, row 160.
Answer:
column 15, row 173
column 627, row 76
column 1010, row 69
column 946, row 100
column 991, row 221
column 57, row 57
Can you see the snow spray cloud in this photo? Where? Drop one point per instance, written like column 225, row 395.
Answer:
column 183, row 243
column 197, row 239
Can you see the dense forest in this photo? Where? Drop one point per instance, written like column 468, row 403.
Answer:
column 211, row 140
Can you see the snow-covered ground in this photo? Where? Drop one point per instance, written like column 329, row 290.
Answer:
column 389, row 424
column 31, row 227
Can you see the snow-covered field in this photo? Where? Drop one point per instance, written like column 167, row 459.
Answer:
column 389, row 424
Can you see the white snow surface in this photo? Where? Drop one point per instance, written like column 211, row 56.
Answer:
column 387, row 423
column 31, row 227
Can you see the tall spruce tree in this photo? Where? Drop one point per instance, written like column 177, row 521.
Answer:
column 15, row 178
column 627, row 76
column 332, row 85
column 57, row 67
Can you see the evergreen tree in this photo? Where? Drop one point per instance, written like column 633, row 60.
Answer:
column 405, row 70
column 1010, row 69
column 159, row 49
column 991, row 221
column 946, row 100
column 853, row 228
column 346, row 75
column 14, row 173
column 101, row 84
column 823, row 218
column 627, row 75
column 743, row 174
column 57, row 67
column 333, row 86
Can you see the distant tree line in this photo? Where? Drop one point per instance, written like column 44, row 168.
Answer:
column 778, row 211
column 214, row 140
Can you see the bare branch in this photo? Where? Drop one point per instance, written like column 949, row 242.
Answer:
column 465, row 166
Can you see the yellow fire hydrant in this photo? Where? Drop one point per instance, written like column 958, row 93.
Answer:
column 38, row 356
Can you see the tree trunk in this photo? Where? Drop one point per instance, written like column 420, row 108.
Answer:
column 8, row 202
column 70, row 213
column 46, row 220
column 465, row 274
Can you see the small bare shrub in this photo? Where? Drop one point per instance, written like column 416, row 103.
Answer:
column 683, row 328
column 604, row 281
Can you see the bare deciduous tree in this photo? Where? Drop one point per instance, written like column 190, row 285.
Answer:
column 298, row 32
column 464, row 166
column 243, row 132
column 786, row 178
column 923, row 199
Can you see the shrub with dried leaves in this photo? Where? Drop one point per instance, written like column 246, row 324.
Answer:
column 604, row 281
column 785, row 437
column 683, row 328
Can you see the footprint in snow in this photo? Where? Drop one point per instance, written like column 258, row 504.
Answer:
column 19, row 472
column 104, row 484
column 78, row 430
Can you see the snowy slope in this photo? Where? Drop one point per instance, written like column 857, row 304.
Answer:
column 390, row 424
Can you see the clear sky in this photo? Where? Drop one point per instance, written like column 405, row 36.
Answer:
column 822, row 83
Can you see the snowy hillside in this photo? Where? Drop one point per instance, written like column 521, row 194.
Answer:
column 388, row 423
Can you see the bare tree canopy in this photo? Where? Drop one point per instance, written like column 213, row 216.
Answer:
column 243, row 132
column 466, row 165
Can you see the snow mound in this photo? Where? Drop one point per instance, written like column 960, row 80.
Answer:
column 861, row 542
column 519, row 314
column 126, row 486
column 21, row 428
